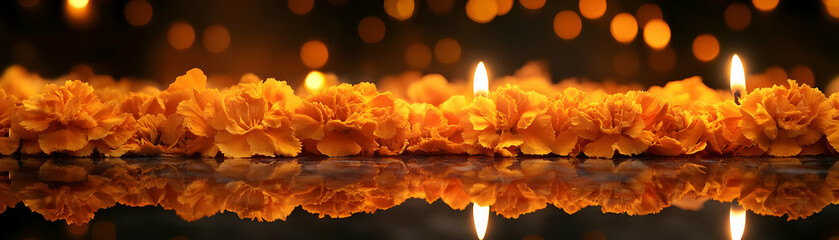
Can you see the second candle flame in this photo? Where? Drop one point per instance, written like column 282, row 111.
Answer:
column 480, row 82
column 737, row 221
column 480, row 215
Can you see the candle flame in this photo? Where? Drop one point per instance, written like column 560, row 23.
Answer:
column 315, row 81
column 480, row 83
column 480, row 215
column 738, row 75
column 737, row 221
column 78, row 4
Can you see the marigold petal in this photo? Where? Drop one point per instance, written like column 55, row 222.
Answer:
column 602, row 147
column 68, row 139
column 784, row 147
column 232, row 145
column 336, row 145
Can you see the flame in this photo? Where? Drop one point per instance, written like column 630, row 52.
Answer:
column 78, row 4
column 737, row 221
column 480, row 214
column 315, row 81
column 738, row 75
column 480, row 83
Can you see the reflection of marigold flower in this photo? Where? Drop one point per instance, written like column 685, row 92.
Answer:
column 69, row 117
column 436, row 130
column 617, row 123
column 564, row 107
column 797, row 194
column 255, row 119
column 8, row 141
column 781, row 120
column 679, row 132
column 508, row 120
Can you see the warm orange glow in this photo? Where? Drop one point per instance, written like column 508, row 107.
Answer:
column 480, row 216
column 216, row 38
column 181, row 35
column 737, row 77
column 301, row 6
column 592, row 9
column 765, row 5
column 832, row 7
column 399, row 9
column 447, row 50
column 315, row 81
column 480, row 82
column 567, row 24
column 371, row 29
column 706, row 47
column 481, row 11
column 504, row 6
column 440, row 7
column 657, row 34
column 624, row 27
column 314, row 54
column 647, row 12
column 738, row 16
column 737, row 221
column 138, row 12
column 418, row 56
column 78, row 4
column 532, row 4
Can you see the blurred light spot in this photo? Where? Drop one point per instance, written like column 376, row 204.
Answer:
column 301, row 7
column 418, row 56
column 103, row 230
column 624, row 27
column 216, row 38
column 833, row 87
column 706, row 47
column 657, row 33
column 832, row 7
column 440, row 7
column 78, row 3
column 647, row 12
column 532, row 4
column 504, row 6
column 314, row 81
column 627, row 63
column 737, row 16
column 567, row 24
column 592, row 9
column 594, row 235
column 181, row 35
column 28, row 3
column 371, row 29
column 23, row 52
column 662, row 60
column 399, row 9
column 138, row 12
column 481, row 11
column 765, row 5
column 447, row 50
column 776, row 74
column 77, row 230
column 314, row 54
column 803, row 74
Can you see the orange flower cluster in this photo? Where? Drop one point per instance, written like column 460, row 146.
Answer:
column 529, row 117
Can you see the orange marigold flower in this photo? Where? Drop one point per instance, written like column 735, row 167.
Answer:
column 565, row 106
column 8, row 141
column 832, row 131
column 255, row 119
column 190, row 108
column 680, row 132
column 780, row 120
column 433, row 89
column 333, row 122
column 723, row 133
column 508, row 120
column 19, row 82
column 688, row 92
column 69, row 117
column 437, row 130
column 142, row 104
column 147, row 140
column 617, row 123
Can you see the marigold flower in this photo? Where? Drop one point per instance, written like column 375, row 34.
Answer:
column 565, row 106
column 255, row 119
column 142, row 104
column 190, row 108
column 509, row 120
column 334, row 122
column 433, row 89
column 780, row 120
column 723, row 134
column 19, row 82
column 437, row 130
column 8, row 142
column 147, row 140
column 832, row 131
column 680, row 132
column 617, row 123
column 688, row 92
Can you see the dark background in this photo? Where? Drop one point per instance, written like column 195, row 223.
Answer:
column 266, row 38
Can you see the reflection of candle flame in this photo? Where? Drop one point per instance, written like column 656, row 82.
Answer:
column 480, row 83
column 737, row 78
column 78, row 4
column 480, row 215
column 315, row 81
column 737, row 221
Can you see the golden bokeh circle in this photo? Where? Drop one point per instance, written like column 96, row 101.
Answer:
column 647, row 12
column 532, row 4
column 447, row 50
column 737, row 16
column 138, row 12
column 624, row 28
column 418, row 56
column 314, row 54
column 765, row 5
column 301, row 7
column 832, row 7
column 400, row 9
column 706, row 47
column 371, row 29
column 181, row 35
column 657, row 34
column 504, row 6
column 567, row 24
column 592, row 9
column 440, row 7
column 216, row 38
column 481, row 11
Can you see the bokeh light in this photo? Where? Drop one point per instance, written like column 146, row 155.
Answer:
column 371, row 29
column 706, row 47
column 78, row 3
column 663, row 60
column 314, row 54
column 447, row 50
column 765, row 5
column 737, row 16
column 624, row 27
column 138, row 12
column 400, row 9
column 592, row 9
column 504, row 6
column 532, row 4
column 314, row 81
column 647, row 12
column 418, row 56
column 181, row 35
column 776, row 74
column 657, row 34
column 803, row 74
column 481, row 11
column 832, row 7
column 440, row 7
column 301, row 7
column 626, row 63
column 216, row 38
column 567, row 24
